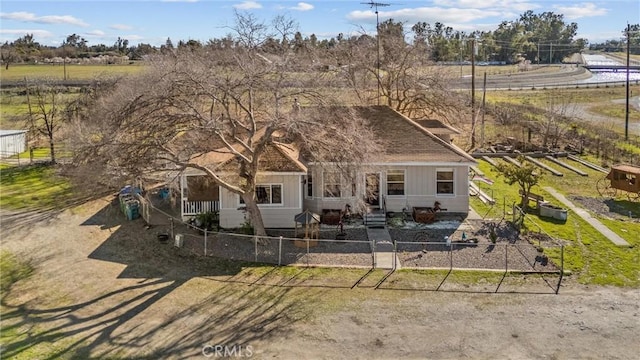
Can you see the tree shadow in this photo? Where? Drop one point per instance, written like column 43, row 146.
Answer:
column 623, row 207
column 135, row 320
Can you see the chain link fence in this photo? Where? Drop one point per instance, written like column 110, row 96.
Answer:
column 434, row 249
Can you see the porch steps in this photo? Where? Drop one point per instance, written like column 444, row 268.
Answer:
column 375, row 219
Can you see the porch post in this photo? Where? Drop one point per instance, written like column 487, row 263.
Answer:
column 182, row 197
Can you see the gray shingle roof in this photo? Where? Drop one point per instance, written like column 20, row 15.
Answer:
column 407, row 141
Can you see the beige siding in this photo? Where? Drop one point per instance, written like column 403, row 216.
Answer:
column 272, row 215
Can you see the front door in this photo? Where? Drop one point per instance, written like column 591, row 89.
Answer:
column 372, row 189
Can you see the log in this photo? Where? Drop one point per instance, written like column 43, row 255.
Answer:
column 588, row 164
column 567, row 166
column 544, row 166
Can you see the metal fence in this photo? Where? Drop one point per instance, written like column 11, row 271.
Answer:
column 280, row 250
column 413, row 249
column 276, row 250
column 522, row 257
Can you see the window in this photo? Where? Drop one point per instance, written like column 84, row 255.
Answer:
column 395, row 182
column 309, row 186
column 444, row 181
column 268, row 194
column 331, row 182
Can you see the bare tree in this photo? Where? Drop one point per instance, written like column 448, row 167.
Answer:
column 219, row 111
column 46, row 104
column 559, row 107
column 407, row 82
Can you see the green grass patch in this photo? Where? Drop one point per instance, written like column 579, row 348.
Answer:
column 590, row 254
column 630, row 148
column 541, row 97
column 44, row 153
column 73, row 71
column 34, row 186
column 617, row 111
column 12, row 270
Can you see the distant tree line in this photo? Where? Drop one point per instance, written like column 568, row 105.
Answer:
column 538, row 38
column 620, row 45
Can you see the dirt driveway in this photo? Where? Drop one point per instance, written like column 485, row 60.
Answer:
column 105, row 287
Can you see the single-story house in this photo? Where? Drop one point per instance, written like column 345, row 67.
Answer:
column 417, row 169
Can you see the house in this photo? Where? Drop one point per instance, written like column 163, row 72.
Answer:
column 417, row 169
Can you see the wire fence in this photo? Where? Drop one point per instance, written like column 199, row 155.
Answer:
column 474, row 256
column 362, row 253
column 414, row 249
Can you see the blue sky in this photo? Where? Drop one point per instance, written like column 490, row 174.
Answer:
column 153, row 21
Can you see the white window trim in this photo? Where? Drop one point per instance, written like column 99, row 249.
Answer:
column 281, row 204
column 453, row 182
column 404, row 184
column 323, row 186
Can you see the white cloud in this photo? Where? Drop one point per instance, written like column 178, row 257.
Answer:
column 120, row 27
column 132, row 38
column 302, row 6
column 4, row 33
column 517, row 5
column 24, row 16
column 44, row 37
column 428, row 14
column 581, row 10
column 95, row 33
column 248, row 5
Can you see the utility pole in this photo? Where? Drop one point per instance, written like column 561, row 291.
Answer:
column 473, row 93
column 375, row 5
column 550, row 52
column 626, row 113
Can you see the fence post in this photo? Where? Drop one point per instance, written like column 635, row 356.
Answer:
column 450, row 245
column 395, row 255
column 307, row 252
column 506, row 258
column 255, row 243
column 171, row 227
column 280, row 251
column 373, row 254
column 561, row 268
column 205, row 242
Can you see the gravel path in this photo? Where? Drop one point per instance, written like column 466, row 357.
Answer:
column 418, row 246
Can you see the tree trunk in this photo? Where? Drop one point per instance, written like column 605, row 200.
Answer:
column 254, row 215
column 53, row 154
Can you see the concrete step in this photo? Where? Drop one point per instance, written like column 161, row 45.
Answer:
column 375, row 219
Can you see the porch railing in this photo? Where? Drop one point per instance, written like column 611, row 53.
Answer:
column 198, row 207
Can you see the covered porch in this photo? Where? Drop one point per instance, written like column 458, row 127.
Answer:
column 198, row 194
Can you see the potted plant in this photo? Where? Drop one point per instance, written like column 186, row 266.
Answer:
column 207, row 221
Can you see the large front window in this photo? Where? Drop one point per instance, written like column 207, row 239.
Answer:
column 444, row 182
column 395, row 182
column 331, row 181
column 268, row 194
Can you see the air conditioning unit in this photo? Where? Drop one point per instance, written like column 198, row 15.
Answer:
column 179, row 240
